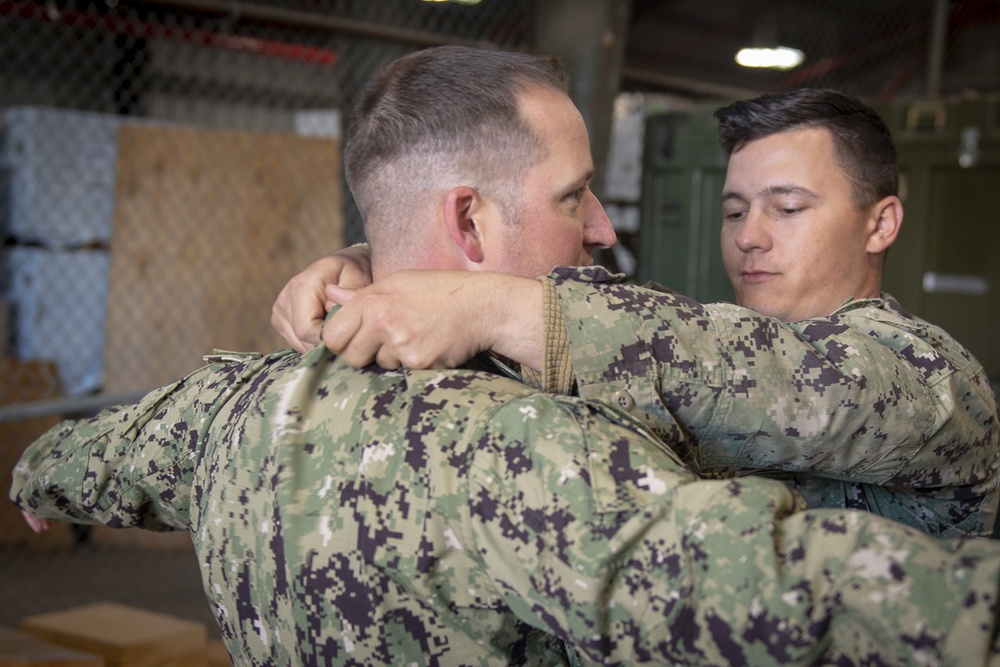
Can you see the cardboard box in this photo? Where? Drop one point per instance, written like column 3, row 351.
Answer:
column 20, row 650
column 217, row 654
column 123, row 636
column 58, row 299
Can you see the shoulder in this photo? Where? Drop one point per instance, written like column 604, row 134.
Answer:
column 927, row 345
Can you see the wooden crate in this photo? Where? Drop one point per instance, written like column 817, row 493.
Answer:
column 123, row 636
column 208, row 226
column 177, row 540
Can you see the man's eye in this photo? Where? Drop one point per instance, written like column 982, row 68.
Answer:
column 576, row 195
column 735, row 216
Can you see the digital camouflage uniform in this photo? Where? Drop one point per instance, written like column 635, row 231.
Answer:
column 365, row 517
column 870, row 408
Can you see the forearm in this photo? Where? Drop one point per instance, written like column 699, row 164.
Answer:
column 87, row 471
column 849, row 586
column 48, row 480
column 513, row 321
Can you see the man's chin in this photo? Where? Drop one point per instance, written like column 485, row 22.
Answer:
column 757, row 305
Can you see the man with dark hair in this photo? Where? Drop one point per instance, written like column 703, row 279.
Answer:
column 362, row 517
column 797, row 252
column 839, row 392
column 862, row 143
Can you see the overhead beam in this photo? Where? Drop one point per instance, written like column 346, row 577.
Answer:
column 689, row 86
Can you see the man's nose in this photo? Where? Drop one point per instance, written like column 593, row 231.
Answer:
column 598, row 233
column 754, row 232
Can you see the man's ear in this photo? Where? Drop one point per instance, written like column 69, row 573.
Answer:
column 460, row 207
column 888, row 218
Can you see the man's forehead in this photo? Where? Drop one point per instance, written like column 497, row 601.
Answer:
column 560, row 127
column 548, row 109
column 814, row 142
column 783, row 160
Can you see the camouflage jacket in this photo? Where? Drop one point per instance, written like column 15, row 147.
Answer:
column 361, row 517
column 870, row 408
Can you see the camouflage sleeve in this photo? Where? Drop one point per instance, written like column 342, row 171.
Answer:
column 737, row 390
column 599, row 536
column 130, row 466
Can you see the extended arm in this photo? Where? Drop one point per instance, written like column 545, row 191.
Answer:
column 869, row 399
column 130, row 465
column 608, row 542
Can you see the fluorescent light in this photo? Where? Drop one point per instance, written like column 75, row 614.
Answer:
column 781, row 57
column 461, row 2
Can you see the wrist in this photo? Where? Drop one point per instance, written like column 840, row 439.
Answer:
column 515, row 328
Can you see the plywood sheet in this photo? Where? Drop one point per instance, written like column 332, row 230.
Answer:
column 209, row 225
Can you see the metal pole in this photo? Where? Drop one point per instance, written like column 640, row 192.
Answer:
column 66, row 406
column 298, row 19
column 936, row 52
column 688, row 85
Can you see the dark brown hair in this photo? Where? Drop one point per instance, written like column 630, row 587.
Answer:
column 862, row 142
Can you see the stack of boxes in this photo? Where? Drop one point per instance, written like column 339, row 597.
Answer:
column 58, row 171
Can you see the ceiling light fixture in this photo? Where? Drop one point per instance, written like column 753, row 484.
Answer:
column 781, row 57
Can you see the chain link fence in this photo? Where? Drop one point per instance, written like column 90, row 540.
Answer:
column 166, row 166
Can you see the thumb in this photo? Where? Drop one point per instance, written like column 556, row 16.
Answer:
column 338, row 296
